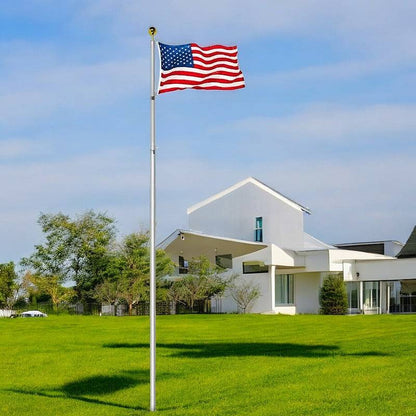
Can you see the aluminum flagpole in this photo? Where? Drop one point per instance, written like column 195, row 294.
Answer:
column 152, row 32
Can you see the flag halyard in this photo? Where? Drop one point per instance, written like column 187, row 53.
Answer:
column 192, row 66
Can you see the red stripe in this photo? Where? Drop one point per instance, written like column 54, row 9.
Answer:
column 208, row 48
column 202, row 88
column 216, row 53
column 213, row 61
column 201, row 78
column 201, row 82
column 224, row 66
column 236, row 87
column 197, row 74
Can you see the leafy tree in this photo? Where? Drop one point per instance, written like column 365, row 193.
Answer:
column 133, row 256
column 51, row 286
column 333, row 296
column 8, row 284
column 245, row 294
column 202, row 282
column 75, row 249
column 189, row 289
column 108, row 292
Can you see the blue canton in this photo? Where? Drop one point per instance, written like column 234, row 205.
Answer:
column 173, row 56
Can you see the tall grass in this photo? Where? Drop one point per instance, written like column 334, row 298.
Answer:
column 209, row 365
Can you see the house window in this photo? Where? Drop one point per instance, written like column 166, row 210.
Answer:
column 183, row 265
column 371, row 295
column 258, row 232
column 225, row 261
column 254, row 267
column 284, row 289
column 353, row 290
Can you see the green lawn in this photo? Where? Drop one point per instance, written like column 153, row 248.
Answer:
column 209, row 365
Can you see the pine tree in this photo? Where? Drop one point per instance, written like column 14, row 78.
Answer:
column 333, row 296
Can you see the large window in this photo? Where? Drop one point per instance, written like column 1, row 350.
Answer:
column 284, row 289
column 353, row 291
column 183, row 265
column 371, row 295
column 254, row 267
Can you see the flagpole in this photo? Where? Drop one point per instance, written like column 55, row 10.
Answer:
column 152, row 32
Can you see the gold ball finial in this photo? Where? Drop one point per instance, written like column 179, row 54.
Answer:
column 152, row 31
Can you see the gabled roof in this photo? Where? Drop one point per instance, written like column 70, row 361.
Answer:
column 255, row 182
column 312, row 243
column 409, row 249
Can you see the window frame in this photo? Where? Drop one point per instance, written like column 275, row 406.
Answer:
column 258, row 230
column 289, row 290
column 254, row 263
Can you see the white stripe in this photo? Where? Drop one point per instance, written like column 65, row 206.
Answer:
column 196, row 48
column 220, row 64
column 191, row 78
column 208, row 66
column 200, row 71
column 209, row 84
column 233, row 59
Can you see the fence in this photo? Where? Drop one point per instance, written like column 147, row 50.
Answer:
column 139, row 309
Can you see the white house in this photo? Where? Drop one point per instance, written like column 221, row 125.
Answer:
column 258, row 233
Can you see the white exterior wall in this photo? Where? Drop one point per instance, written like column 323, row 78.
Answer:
column 316, row 260
column 234, row 216
column 262, row 304
column 307, row 286
column 394, row 269
column 262, row 280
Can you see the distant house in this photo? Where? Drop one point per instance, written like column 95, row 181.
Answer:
column 258, row 232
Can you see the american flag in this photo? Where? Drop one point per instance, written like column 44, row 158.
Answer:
column 205, row 68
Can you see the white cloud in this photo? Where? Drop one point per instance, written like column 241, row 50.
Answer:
column 340, row 71
column 17, row 148
column 350, row 198
column 329, row 123
column 371, row 26
column 72, row 87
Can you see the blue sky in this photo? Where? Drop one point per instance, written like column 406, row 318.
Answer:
column 328, row 116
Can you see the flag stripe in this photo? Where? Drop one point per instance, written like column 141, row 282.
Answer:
column 193, row 66
column 207, row 56
column 198, row 79
column 214, row 47
column 200, row 72
column 212, row 86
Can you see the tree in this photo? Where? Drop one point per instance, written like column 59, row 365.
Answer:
column 75, row 249
column 333, row 296
column 132, row 259
column 108, row 292
column 51, row 286
column 202, row 282
column 8, row 284
column 245, row 294
column 189, row 289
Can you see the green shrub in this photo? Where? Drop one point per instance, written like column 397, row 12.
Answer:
column 333, row 296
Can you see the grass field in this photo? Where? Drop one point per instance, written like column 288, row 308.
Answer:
column 209, row 365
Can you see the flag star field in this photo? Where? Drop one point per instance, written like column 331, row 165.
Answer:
column 174, row 56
